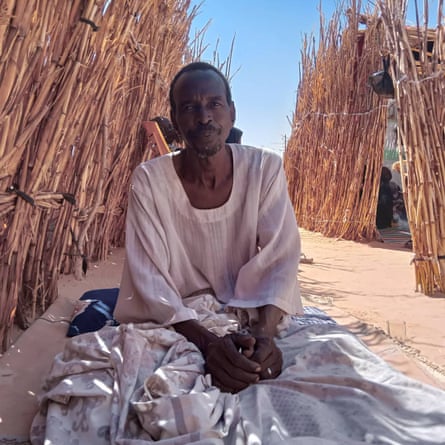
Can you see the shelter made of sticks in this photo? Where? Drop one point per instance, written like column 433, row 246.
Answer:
column 419, row 73
column 77, row 79
column 335, row 153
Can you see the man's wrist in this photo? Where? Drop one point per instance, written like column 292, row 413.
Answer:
column 194, row 332
column 259, row 330
column 269, row 317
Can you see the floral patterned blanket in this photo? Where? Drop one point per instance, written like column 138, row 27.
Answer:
column 136, row 384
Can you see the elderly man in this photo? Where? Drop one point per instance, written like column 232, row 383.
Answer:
column 213, row 217
column 213, row 246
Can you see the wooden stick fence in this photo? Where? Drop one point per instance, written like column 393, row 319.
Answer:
column 334, row 155
column 76, row 80
column 420, row 94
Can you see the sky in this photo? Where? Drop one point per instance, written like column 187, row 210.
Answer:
column 268, row 37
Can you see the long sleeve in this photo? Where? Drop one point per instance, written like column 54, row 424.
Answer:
column 270, row 277
column 148, row 292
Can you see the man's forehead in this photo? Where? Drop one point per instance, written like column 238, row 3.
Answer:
column 200, row 82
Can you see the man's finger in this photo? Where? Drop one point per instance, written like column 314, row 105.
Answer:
column 223, row 360
column 264, row 348
column 228, row 383
column 270, row 357
column 244, row 343
column 230, row 367
column 237, row 359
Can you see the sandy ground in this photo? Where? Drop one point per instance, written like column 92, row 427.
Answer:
column 369, row 288
column 375, row 283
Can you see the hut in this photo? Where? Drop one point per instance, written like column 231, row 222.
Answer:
column 420, row 83
column 332, row 177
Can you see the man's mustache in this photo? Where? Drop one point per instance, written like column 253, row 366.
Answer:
column 205, row 128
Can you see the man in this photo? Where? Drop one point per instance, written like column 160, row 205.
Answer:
column 216, row 218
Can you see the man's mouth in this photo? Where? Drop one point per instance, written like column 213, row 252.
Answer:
column 206, row 131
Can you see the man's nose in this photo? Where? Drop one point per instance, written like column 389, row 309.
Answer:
column 204, row 115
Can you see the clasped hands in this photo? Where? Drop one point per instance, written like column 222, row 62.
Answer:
column 238, row 360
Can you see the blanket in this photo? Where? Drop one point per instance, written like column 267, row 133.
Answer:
column 136, row 384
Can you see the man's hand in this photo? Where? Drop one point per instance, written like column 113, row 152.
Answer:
column 266, row 351
column 235, row 361
column 269, row 356
column 228, row 360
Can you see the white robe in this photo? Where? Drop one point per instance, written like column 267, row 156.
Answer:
column 247, row 250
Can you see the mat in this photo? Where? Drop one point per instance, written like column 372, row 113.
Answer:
column 395, row 235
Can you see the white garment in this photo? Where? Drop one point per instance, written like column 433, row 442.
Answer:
column 246, row 250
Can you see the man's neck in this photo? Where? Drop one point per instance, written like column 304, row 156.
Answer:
column 206, row 181
column 207, row 172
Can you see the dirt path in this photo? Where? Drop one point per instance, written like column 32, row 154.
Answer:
column 375, row 284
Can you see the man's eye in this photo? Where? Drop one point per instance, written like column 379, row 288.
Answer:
column 216, row 104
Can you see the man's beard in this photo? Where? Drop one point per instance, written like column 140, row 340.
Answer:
column 208, row 151
column 202, row 149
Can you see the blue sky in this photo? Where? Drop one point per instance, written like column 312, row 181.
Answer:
column 267, row 51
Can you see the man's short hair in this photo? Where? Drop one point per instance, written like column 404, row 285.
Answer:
column 198, row 66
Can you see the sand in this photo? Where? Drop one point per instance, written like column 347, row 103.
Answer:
column 375, row 283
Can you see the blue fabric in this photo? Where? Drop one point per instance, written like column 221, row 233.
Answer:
column 313, row 315
column 97, row 313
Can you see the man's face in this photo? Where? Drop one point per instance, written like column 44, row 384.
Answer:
column 202, row 114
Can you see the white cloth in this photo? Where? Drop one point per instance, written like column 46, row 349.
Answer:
column 247, row 250
column 132, row 385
